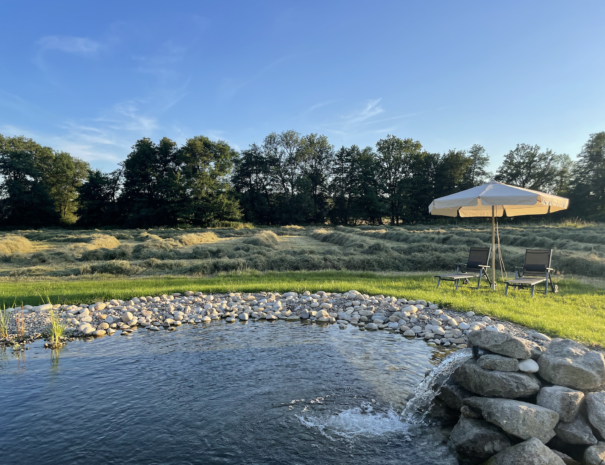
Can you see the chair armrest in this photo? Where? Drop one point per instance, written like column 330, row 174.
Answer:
column 550, row 269
column 484, row 266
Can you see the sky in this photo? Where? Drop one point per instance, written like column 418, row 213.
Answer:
column 91, row 78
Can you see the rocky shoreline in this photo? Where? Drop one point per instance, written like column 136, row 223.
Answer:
column 411, row 318
column 514, row 402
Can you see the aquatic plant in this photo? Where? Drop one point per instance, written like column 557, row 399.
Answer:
column 55, row 328
column 4, row 321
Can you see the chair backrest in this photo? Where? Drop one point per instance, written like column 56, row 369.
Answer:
column 478, row 256
column 536, row 262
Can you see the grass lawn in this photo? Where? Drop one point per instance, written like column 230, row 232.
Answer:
column 577, row 312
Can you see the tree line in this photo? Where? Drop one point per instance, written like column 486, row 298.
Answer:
column 289, row 178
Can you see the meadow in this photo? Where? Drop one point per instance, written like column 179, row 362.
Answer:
column 76, row 266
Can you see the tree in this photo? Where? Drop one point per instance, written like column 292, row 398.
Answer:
column 97, row 199
column 526, row 166
column 394, row 155
column 450, row 173
column 476, row 173
column 24, row 196
column 63, row 179
column 587, row 189
column 315, row 156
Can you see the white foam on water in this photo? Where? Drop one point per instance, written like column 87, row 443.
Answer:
column 356, row 421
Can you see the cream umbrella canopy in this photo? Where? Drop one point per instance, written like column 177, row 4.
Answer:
column 496, row 199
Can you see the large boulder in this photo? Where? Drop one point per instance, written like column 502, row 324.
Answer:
column 495, row 383
column 569, row 363
column 501, row 343
column 595, row 455
column 595, row 408
column 530, row 452
column 477, row 439
column 453, row 395
column 520, row 419
column 577, row 431
column 495, row 362
column 566, row 402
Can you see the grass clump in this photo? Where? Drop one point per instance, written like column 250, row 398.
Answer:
column 11, row 244
column 263, row 239
column 55, row 329
column 104, row 241
column 4, row 321
column 116, row 267
column 339, row 238
column 198, row 238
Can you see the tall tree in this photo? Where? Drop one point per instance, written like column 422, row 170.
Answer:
column 97, row 199
column 476, row 173
column 63, row 179
column 394, row 155
column 529, row 167
column 588, row 184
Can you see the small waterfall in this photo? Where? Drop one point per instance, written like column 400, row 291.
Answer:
column 428, row 389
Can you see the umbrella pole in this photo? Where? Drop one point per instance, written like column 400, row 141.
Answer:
column 493, row 247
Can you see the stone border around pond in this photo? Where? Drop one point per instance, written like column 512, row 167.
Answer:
column 411, row 318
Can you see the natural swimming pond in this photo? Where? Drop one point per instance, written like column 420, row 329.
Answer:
column 255, row 393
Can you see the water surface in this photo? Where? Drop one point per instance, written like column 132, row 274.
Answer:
column 255, row 393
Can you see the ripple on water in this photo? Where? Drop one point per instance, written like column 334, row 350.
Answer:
column 241, row 393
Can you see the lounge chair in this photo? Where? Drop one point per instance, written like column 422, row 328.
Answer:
column 536, row 270
column 475, row 267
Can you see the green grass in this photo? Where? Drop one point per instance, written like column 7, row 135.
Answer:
column 577, row 312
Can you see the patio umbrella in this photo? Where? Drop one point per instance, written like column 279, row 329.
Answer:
column 496, row 199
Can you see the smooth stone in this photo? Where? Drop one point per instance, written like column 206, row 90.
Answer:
column 127, row 316
column 501, row 344
column 595, row 455
column 409, row 333
column 530, row 452
column 569, row 363
column 520, row 419
column 529, row 366
column 566, row 402
column 371, row 326
column 243, row 316
column 99, row 333
column 495, row 383
column 577, row 431
column 595, row 407
column 498, row 363
column 478, row 439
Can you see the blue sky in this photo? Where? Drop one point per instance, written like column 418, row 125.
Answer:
column 93, row 77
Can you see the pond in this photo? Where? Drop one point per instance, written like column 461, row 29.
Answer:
column 255, row 393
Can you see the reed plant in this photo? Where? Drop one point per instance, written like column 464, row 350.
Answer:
column 5, row 316
column 55, row 328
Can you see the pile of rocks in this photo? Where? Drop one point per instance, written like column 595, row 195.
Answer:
column 520, row 403
column 412, row 318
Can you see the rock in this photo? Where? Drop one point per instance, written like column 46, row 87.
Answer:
column 528, row 366
column 99, row 333
column 495, row 383
column 305, row 314
column 595, row 455
column 372, row 326
column 243, row 316
column 409, row 333
column 464, row 326
column 567, row 460
column 569, row 363
column 566, row 402
column 109, row 320
column 453, row 395
column 100, row 306
column 595, row 407
column 127, row 316
column 469, row 412
column 498, row 363
column 530, row 452
column 104, row 326
column 520, row 419
column 501, row 343
column 478, row 439
column 576, row 432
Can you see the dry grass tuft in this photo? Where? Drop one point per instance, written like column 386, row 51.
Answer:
column 263, row 239
column 293, row 226
column 198, row 238
column 12, row 244
column 104, row 241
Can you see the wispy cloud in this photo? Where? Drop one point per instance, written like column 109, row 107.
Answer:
column 371, row 109
column 317, row 106
column 82, row 46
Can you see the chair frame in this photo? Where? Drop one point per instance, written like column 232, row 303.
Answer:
column 533, row 281
column 466, row 276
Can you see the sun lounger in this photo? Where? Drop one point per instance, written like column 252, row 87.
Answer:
column 475, row 267
column 536, row 270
